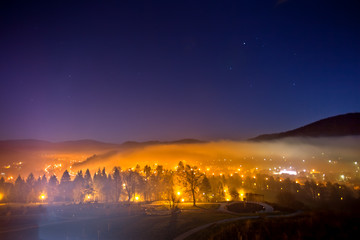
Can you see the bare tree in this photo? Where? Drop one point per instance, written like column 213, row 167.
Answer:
column 191, row 180
column 170, row 192
column 130, row 182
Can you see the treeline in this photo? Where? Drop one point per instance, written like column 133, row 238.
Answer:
column 186, row 183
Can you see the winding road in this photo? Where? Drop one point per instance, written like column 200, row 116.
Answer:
column 267, row 207
column 222, row 208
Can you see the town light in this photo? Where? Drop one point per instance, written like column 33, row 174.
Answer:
column 42, row 197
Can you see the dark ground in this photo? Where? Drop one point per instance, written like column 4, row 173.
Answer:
column 97, row 221
column 308, row 225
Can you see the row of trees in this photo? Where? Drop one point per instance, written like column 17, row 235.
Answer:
column 150, row 184
column 120, row 185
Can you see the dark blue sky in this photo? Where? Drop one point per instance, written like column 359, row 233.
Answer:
column 117, row 71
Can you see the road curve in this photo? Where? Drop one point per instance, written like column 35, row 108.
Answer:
column 197, row 229
column 222, row 208
column 267, row 207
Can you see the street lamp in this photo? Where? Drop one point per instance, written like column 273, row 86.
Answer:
column 42, row 197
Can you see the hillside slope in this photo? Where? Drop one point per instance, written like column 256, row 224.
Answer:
column 337, row 126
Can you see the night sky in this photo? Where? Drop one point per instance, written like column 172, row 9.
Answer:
column 116, row 71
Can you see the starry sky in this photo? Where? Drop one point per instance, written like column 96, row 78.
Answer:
column 143, row 70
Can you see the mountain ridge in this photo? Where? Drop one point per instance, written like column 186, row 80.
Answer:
column 83, row 143
column 335, row 126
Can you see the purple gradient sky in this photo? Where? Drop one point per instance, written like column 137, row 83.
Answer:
column 119, row 71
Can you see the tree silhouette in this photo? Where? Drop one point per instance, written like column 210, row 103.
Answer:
column 78, row 187
column 205, row 188
column 30, row 192
column 130, row 181
column 164, row 184
column 65, row 187
column 170, row 194
column 117, row 183
column 19, row 193
column 52, row 188
column 191, row 181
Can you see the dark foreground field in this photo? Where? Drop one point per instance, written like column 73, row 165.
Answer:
column 135, row 221
column 309, row 225
column 98, row 221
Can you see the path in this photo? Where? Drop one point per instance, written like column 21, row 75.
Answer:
column 267, row 207
column 222, row 208
column 197, row 229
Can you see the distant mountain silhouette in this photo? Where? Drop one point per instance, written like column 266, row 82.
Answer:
column 84, row 144
column 35, row 154
column 33, row 144
column 337, row 126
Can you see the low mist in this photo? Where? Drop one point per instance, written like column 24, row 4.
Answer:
column 325, row 154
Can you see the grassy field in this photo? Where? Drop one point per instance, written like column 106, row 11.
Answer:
column 99, row 221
